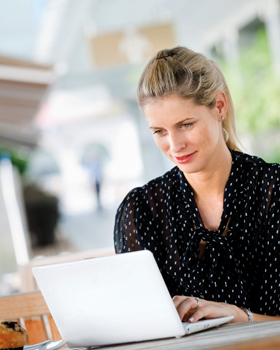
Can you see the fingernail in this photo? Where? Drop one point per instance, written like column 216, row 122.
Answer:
column 191, row 319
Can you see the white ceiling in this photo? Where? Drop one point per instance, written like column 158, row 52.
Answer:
column 44, row 28
column 54, row 31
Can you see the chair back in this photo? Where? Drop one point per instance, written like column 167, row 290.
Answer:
column 31, row 311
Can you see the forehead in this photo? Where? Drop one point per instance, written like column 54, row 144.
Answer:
column 169, row 102
column 171, row 109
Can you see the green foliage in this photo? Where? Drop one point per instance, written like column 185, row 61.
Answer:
column 273, row 156
column 16, row 158
column 255, row 88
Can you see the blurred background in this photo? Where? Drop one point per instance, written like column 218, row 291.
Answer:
column 72, row 139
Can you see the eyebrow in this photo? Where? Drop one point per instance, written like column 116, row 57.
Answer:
column 180, row 122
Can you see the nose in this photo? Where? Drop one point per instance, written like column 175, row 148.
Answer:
column 177, row 142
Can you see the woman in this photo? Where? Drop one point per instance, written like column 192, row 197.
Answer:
column 213, row 221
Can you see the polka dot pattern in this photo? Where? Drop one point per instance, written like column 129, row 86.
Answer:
column 241, row 267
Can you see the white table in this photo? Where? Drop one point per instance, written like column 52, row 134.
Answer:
column 228, row 336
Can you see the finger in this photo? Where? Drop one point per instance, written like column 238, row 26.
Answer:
column 187, row 308
column 178, row 299
column 211, row 310
column 204, row 312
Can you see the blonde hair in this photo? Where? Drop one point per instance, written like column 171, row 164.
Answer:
column 187, row 74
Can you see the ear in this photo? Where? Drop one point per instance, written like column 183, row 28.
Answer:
column 221, row 104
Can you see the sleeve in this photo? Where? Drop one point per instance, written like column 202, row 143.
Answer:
column 272, row 216
column 269, row 276
column 134, row 224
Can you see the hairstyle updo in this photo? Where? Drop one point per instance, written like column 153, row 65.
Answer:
column 186, row 74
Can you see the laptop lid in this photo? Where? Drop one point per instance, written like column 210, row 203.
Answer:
column 116, row 299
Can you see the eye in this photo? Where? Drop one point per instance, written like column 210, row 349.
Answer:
column 187, row 125
column 158, row 132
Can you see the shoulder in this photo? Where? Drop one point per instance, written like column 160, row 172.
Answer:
column 143, row 196
column 254, row 162
column 247, row 158
column 162, row 184
column 258, row 171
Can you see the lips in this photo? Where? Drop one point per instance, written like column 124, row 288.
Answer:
column 185, row 159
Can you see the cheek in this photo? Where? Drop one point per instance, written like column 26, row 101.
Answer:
column 162, row 143
column 206, row 136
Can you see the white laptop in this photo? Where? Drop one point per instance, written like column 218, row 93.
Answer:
column 115, row 299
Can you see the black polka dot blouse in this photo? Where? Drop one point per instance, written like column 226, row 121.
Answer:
column 241, row 267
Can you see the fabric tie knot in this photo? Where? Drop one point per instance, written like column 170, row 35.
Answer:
column 217, row 245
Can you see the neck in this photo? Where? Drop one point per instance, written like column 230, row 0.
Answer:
column 212, row 181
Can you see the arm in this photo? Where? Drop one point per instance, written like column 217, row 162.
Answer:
column 191, row 310
column 134, row 224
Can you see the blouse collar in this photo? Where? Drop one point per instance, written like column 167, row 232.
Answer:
column 235, row 188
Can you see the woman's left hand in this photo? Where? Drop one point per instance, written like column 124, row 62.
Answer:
column 192, row 309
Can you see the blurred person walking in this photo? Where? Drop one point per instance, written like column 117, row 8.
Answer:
column 94, row 167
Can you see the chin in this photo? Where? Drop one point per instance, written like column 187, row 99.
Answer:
column 188, row 169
